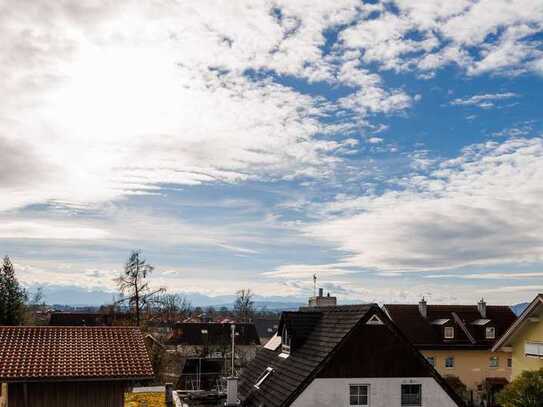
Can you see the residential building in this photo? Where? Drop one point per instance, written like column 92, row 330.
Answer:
column 524, row 339
column 71, row 366
column 350, row 355
column 457, row 340
column 200, row 353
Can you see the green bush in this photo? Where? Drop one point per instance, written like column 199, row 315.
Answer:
column 525, row 391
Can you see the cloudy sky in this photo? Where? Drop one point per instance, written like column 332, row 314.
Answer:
column 394, row 148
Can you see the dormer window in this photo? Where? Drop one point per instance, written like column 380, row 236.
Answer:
column 449, row 332
column 285, row 342
column 490, row 332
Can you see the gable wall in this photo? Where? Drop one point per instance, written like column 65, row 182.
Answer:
column 375, row 351
column 384, row 392
column 530, row 332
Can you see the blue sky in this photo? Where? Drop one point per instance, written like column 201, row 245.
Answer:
column 394, row 148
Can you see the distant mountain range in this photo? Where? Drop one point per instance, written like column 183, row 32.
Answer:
column 78, row 297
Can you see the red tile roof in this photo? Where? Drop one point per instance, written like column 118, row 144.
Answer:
column 72, row 353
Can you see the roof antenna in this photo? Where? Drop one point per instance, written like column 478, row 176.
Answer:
column 315, row 285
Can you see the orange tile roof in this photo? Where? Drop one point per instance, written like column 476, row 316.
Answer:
column 72, row 353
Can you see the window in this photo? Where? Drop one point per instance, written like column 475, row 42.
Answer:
column 263, row 377
column 533, row 349
column 411, row 395
column 493, row 361
column 359, row 395
column 431, row 360
column 449, row 362
column 374, row 320
column 490, row 332
column 449, row 332
column 509, row 362
column 285, row 342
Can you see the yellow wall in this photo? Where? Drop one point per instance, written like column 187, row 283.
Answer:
column 471, row 366
column 530, row 332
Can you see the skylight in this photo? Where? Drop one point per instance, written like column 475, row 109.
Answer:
column 263, row 377
column 273, row 343
column 480, row 322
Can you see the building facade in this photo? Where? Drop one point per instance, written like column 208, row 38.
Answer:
column 457, row 340
column 524, row 339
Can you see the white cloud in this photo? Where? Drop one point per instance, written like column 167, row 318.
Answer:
column 484, row 101
column 307, row 270
column 482, row 208
column 482, row 36
column 488, row 276
column 108, row 99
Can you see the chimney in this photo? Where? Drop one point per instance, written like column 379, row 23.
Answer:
column 232, row 391
column 321, row 300
column 481, row 307
column 423, row 308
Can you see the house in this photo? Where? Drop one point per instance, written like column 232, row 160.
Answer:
column 200, row 353
column 350, row 355
column 524, row 339
column 71, row 366
column 458, row 339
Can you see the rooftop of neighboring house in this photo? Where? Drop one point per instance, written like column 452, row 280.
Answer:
column 430, row 326
column 210, row 333
column 31, row 353
column 533, row 313
column 79, row 319
column 308, row 342
column 266, row 327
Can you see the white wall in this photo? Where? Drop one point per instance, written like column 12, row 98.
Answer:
column 384, row 392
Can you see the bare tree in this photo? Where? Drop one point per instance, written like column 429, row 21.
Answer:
column 244, row 305
column 173, row 307
column 134, row 285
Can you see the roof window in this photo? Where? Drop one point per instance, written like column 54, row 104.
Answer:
column 449, row 332
column 490, row 332
column 262, row 378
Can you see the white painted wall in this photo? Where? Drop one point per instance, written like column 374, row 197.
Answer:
column 384, row 392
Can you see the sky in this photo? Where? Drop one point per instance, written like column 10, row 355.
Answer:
column 393, row 148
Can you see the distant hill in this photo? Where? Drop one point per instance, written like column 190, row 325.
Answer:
column 519, row 308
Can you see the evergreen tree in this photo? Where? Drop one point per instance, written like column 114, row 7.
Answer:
column 12, row 296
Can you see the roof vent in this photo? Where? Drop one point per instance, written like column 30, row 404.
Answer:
column 423, row 308
column 481, row 307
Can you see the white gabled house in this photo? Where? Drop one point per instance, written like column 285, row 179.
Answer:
column 352, row 356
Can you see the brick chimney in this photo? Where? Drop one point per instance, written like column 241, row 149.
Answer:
column 321, row 300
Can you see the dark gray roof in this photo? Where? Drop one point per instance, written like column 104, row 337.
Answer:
column 323, row 331
column 210, row 333
column 330, row 326
column 468, row 335
column 266, row 327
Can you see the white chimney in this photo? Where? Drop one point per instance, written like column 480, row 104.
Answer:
column 232, row 391
column 423, row 308
column 481, row 307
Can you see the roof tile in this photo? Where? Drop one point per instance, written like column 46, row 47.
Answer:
column 49, row 353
